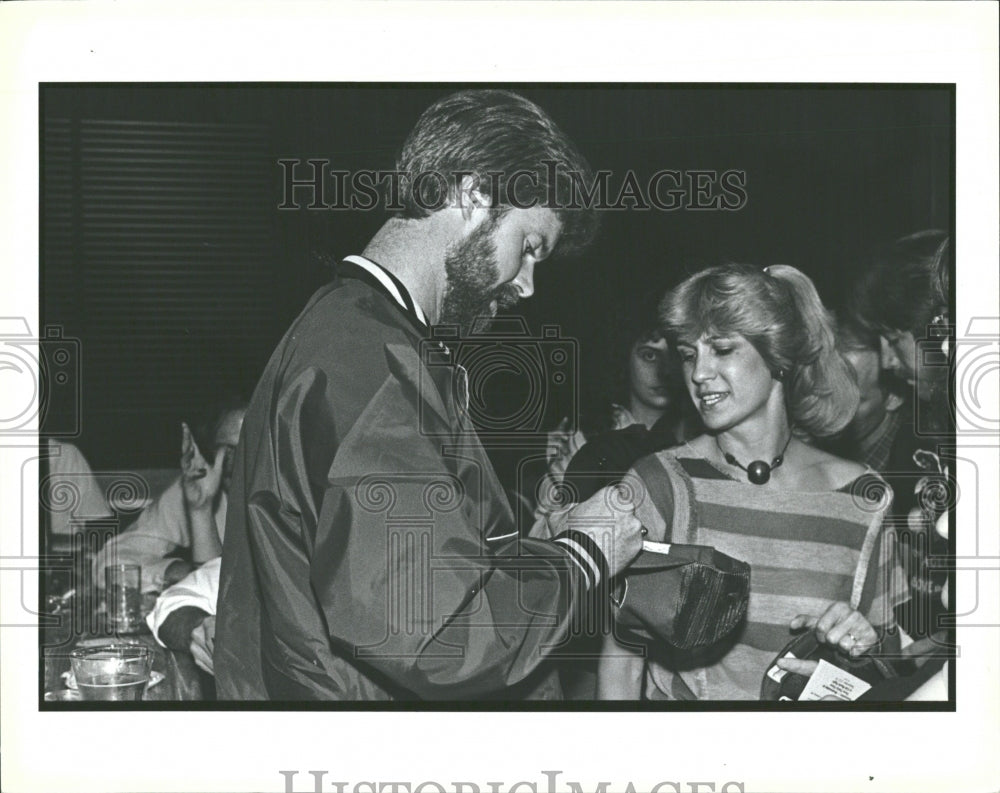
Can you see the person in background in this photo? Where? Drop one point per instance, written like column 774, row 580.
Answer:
column 927, row 680
column 904, row 298
column 183, row 528
column 71, row 482
column 606, row 457
column 637, row 390
column 761, row 367
column 656, row 395
column 75, row 516
column 870, row 435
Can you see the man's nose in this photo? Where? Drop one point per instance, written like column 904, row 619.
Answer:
column 888, row 359
column 525, row 280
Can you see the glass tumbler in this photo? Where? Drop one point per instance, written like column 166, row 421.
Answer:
column 114, row 672
column 124, row 597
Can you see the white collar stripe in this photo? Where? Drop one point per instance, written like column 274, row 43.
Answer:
column 383, row 278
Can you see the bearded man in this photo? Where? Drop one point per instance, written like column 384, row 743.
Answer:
column 370, row 551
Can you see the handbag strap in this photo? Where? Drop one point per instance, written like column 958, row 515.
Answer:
column 869, row 570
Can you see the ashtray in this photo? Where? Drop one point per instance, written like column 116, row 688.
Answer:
column 70, row 682
column 63, row 695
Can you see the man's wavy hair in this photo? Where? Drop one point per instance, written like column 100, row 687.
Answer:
column 906, row 284
column 493, row 135
column 779, row 312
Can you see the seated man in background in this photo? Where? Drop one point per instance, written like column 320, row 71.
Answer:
column 184, row 616
column 184, row 526
column 70, row 482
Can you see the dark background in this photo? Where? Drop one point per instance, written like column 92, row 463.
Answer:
column 165, row 255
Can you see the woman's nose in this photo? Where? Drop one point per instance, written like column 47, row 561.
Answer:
column 703, row 370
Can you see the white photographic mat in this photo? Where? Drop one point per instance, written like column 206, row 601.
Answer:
column 553, row 44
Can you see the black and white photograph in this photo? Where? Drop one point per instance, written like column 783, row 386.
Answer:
column 344, row 383
column 362, row 405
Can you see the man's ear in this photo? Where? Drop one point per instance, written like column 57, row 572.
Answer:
column 469, row 197
column 941, row 328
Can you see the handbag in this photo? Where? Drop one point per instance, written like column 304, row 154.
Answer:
column 688, row 597
column 683, row 595
column 780, row 684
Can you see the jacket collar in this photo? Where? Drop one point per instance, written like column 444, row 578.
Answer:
column 381, row 279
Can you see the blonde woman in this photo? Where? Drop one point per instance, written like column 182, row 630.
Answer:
column 760, row 364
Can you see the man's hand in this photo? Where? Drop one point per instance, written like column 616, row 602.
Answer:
column 177, row 629
column 200, row 481
column 608, row 518
column 203, row 643
column 175, row 571
column 839, row 625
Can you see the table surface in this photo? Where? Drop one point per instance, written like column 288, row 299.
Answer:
column 63, row 632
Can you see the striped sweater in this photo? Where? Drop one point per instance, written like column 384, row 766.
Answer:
column 805, row 550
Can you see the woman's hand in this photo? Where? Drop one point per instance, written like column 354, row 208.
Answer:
column 199, row 481
column 839, row 625
column 557, row 441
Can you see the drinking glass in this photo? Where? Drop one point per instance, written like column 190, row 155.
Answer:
column 112, row 672
column 124, row 597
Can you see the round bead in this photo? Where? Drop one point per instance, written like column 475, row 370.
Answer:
column 758, row 472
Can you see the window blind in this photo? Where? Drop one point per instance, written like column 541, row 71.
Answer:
column 158, row 255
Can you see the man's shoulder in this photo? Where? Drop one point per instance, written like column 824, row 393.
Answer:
column 350, row 302
column 346, row 322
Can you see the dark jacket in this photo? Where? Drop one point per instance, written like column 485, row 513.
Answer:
column 370, row 552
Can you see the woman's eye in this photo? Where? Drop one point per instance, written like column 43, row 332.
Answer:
column 723, row 350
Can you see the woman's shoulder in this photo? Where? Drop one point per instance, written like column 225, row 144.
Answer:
column 830, row 472
column 682, row 463
column 673, row 458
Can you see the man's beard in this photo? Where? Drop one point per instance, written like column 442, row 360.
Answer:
column 472, row 272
